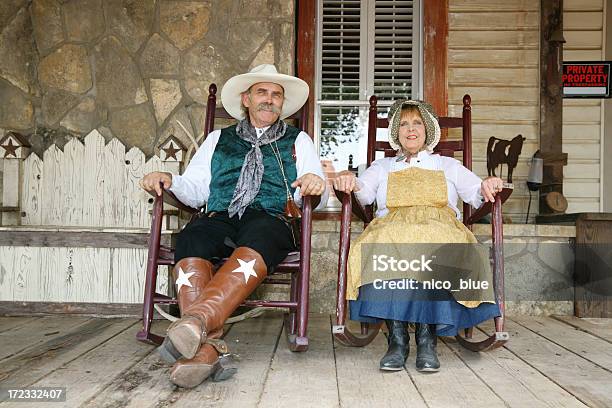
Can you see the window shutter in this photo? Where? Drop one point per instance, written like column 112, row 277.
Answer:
column 340, row 60
column 393, row 39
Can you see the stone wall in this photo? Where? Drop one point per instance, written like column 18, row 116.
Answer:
column 130, row 68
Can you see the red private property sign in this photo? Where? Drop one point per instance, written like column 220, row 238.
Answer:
column 586, row 79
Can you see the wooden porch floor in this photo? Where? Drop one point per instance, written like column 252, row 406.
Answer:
column 549, row 362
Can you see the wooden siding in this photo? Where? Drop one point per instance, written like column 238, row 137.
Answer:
column 582, row 118
column 493, row 55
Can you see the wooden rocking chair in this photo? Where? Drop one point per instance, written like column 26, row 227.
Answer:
column 297, row 264
column 350, row 206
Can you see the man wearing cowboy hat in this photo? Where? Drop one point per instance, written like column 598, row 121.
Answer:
column 246, row 175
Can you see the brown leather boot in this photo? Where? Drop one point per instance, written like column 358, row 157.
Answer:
column 193, row 271
column 212, row 360
column 234, row 281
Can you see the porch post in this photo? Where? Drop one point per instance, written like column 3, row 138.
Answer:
column 551, row 100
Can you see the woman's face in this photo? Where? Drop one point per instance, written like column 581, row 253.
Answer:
column 412, row 132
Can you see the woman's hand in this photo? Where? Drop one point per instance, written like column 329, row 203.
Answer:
column 491, row 186
column 346, row 182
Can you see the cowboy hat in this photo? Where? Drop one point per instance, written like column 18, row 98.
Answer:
column 296, row 90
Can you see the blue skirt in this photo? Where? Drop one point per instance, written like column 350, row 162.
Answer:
column 419, row 306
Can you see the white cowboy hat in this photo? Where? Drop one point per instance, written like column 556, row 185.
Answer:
column 296, row 90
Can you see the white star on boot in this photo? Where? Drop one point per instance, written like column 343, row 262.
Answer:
column 246, row 268
column 183, row 279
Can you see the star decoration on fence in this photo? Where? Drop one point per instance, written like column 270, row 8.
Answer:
column 10, row 149
column 183, row 280
column 246, row 268
column 171, row 151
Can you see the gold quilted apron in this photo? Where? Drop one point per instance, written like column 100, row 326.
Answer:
column 417, row 200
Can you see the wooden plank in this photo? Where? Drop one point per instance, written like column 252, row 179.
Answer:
column 32, row 190
column 583, row 39
column 493, row 76
column 30, row 366
column 579, row 132
column 585, row 345
column 360, row 381
column 137, row 214
column 289, row 370
column 12, row 323
column 52, row 194
column 582, row 20
column 35, row 333
column 573, row 189
column 93, row 180
column 488, row 5
column 583, row 5
column 63, row 308
column 146, row 384
column 492, row 93
column 26, row 273
column 73, row 166
column 255, row 341
column 74, row 274
column 487, row 59
column 7, row 274
column 493, row 39
column 114, row 184
column 498, row 113
column 76, row 239
column 494, row 20
column 581, row 113
column 92, row 371
column 128, row 267
column 599, row 327
column 92, row 275
column 581, row 55
column 10, row 191
column 455, row 385
column 513, row 380
column 588, row 382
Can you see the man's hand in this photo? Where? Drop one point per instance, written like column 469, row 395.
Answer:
column 491, row 186
column 151, row 181
column 346, row 182
column 309, row 184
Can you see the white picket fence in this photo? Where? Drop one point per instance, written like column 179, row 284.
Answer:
column 92, row 184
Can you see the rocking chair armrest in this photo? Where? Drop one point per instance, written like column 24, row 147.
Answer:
column 311, row 201
column 169, row 198
column 487, row 207
column 350, row 200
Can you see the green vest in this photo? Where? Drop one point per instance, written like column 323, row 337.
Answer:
column 226, row 165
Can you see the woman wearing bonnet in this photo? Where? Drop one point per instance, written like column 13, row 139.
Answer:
column 416, row 195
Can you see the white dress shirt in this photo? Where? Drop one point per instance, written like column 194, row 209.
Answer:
column 460, row 182
column 193, row 186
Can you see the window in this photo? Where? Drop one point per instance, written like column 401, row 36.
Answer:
column 364, row 47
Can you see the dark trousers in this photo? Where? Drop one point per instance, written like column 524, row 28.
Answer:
column 213, row 237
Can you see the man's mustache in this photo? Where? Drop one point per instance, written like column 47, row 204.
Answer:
column 268, row 107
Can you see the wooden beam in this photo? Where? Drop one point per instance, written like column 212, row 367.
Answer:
column 76, row 239
column 435, row 55
column 305, row 55
column 67, row 308
column 551, row 99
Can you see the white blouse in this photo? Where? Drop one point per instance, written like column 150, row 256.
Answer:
column 193, row 186
column 460, row 182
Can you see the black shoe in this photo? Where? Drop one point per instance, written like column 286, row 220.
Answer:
column 427, row 356
column 398, row 350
